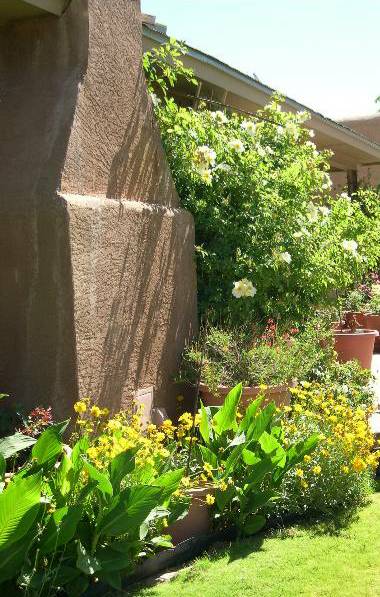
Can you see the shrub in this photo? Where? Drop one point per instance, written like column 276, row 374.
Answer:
column 338, row 475
column 270, row 238
column 267, row 357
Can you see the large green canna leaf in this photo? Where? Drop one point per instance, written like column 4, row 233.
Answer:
column 250, row 414
column 225, row 418
column 9, row 446
column 208, row 456
column 269, row 444
column 130, row 509
column 19, row 505
column 123, row 464
column 261, row 422
column 205, row 425
column 253, row 524
column 48, row 446
column 296, row 452
column 13, row 556
column 169, row 483
column 102, row 480
column 87, row 563
column 61, row 528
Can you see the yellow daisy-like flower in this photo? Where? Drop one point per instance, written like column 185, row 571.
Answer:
column 210, row 500
column 80, row 407
column 223, row 486
column 358, row 464
column 317, row 469
column 96, row 412
column 306, row 458
column 185, row 481
column 207, row 468
column 93, row 453
column 304, row 484
column 299, row 472
column 345, row 469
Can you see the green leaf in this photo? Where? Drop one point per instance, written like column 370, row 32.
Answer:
column 225, row 418
column 162, row 541
column 169, row 482
column 102, row 480
column 9, row 446
column 48, row 446
column 259, row 499
column 111, row 578
column 296, row 453
column 250, row 414
column 204, row 425
column 64, row 475
column 250, row 457
column 2, row 396
column 112, row 560
column 222, row 498
column 259, row 470
column 13, row 556
column 123, row 464
column 268, row 443
column 61, row 528
column 86, row 562
column 233, row 458
column 208, row 456
column 253, row 524
column 79, row 449
column 19, row 505
column 261, row 422
column 3, row 467
column 130, row 509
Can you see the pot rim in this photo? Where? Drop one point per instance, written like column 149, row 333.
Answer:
column 253, row 390
column 359, row 332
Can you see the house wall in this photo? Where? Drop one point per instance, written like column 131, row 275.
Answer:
column 369, row 175
column 97, row 265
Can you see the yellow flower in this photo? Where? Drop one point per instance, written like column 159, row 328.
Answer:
column 208, row 469
column 185, row 481
column 96, row 412
column 210, row 500
column 223, row 486
column 80, row 407
column 92, row 453
column 105, row 412
column 299, row 473
column 307, row 458
column 358, row 464
column 317, row 469
column 168, row 428
column 263, row 387
column 304, row 484
column 345, row 469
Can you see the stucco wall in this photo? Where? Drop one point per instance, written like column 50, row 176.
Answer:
column 97, row 267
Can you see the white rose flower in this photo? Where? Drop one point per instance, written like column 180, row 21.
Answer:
column 312, row 212
column 243, row 288
column 324, row 210
column 293, row 130
column 204, row 156
column 345, row 196
column 286, row 257
column 351, row 246
column 219, row 117
column 236, row 145
column 261, row 151
column 249, row 126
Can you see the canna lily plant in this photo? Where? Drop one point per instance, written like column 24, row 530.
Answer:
column 247, row 458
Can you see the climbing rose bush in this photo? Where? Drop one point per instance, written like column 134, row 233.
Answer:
column 271, row 240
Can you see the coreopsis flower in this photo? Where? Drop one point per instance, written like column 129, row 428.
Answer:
column 236, row 145
column 351, row 246
column 286, row 257
column 317, row 469
column 249, row 127
column 210, row 500
column 96, row 412
column 219, row 117
column 80, row 407
column 299, row 473
column 243, row 288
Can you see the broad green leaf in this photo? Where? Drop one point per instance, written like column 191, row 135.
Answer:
column 63, row 475
column 268, row 443
column 169, row 483
column 233, row 458
column 258, row 472
column 204, row 425
column 253, row 524
column 179, row 509
column 61, row 528
column 123, row 464
column 12, row 556
column 250, row 414
column 259, row 499
column 3, row 467
column 250, row 457
column 113, row 560
column 162, row 541
column 130, row 509
column 237, row 440
column 102, row 480
column 225, row 418
column 48, row 446
column 296, row 452
column 111, row 578
column 19, row 505
column 223, row 498
column 86, row 562
column 261, row 422
column 9, row 446
column 208, row 456
column 79, row 449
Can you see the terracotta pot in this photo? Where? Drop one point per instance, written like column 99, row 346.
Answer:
column 372, row 322
column 280, row 395
column 355, row 345
column 360, row 318
column 197, row 521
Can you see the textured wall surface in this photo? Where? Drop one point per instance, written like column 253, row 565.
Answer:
column 96, row 257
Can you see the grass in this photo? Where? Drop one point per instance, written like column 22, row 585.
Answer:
column 313, row 562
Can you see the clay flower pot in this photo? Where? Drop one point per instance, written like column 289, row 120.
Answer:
column 280, row 395
column 197, row 521
column 360, row 318
column 372, row 322
column 358, row 344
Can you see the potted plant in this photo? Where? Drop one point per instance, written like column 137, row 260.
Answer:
column 268, row 362
column 372, row 314
column 354, row 342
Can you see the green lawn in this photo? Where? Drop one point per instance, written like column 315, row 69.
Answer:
column 295, row 562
